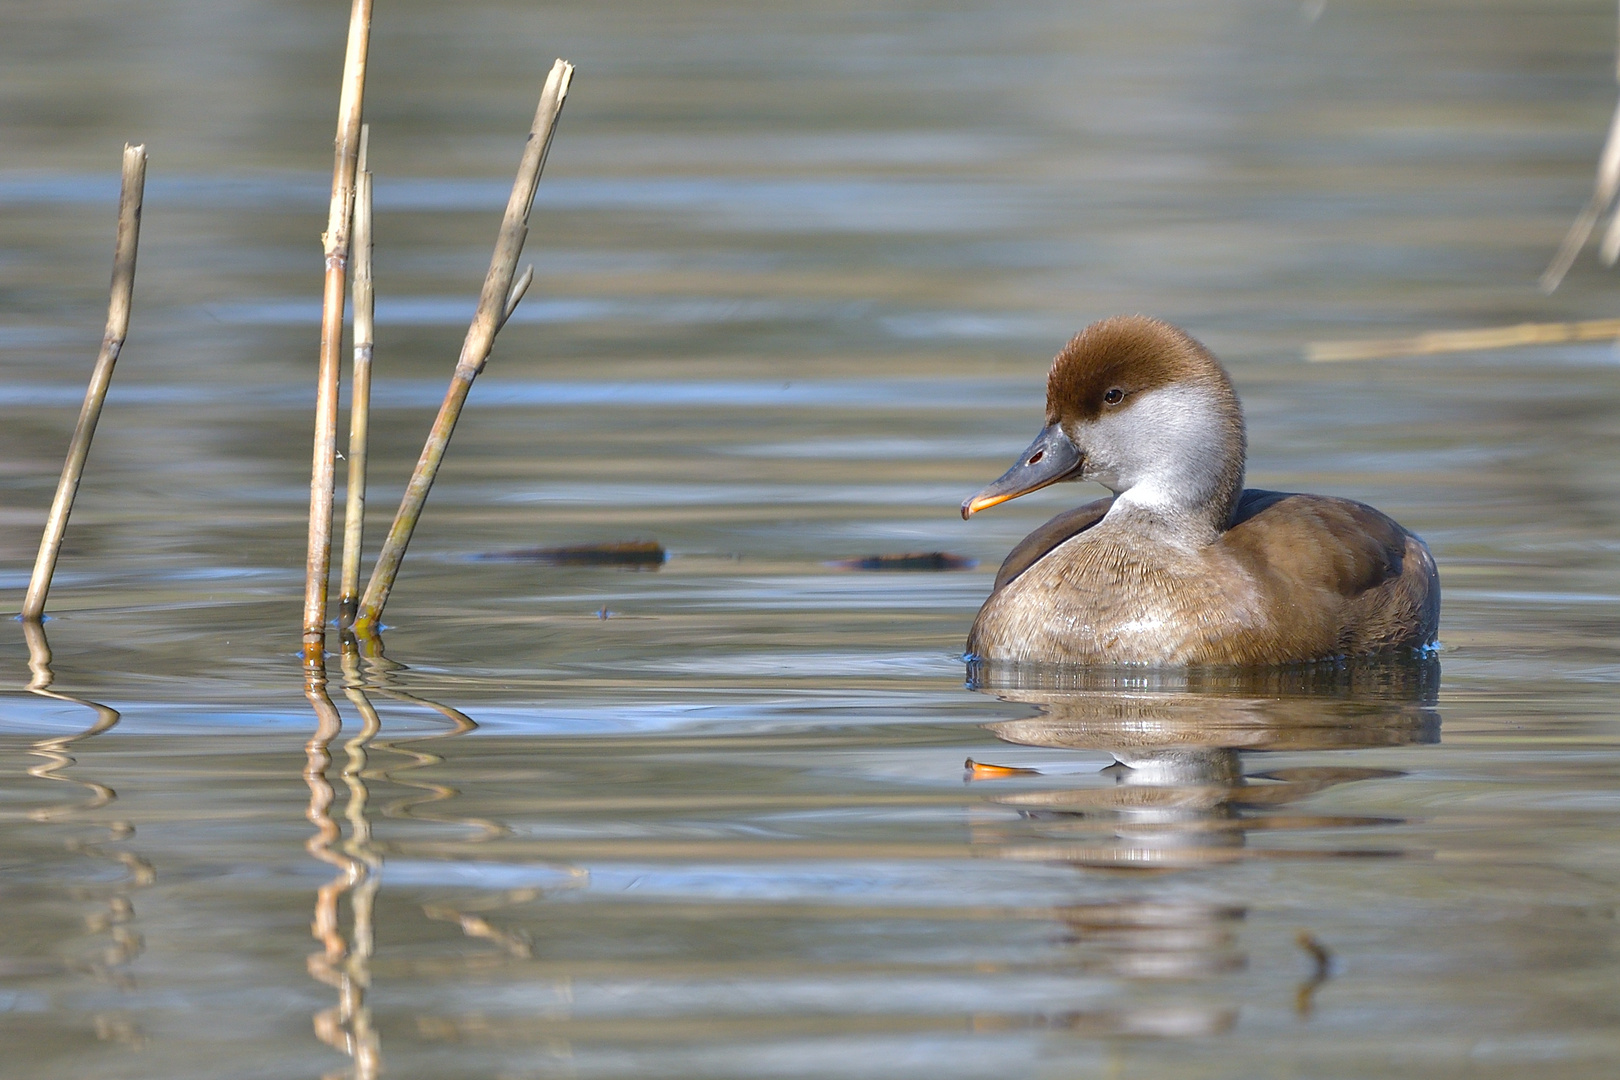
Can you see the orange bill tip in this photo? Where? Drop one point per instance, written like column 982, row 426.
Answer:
column 984, row 502
column 979, row 770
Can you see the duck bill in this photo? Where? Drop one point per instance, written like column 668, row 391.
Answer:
column 1048, row 460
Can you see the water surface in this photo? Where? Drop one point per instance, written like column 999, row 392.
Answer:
column 799, row 273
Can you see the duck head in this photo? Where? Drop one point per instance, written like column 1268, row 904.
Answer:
column 1138, row 406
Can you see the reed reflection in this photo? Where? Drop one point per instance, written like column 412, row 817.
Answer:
column 124, row 944
column 362, row 898
column 379, row 676
column 54, row 750
column 344, row 961
column 368, row 670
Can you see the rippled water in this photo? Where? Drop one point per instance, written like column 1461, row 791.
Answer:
column 800, row 269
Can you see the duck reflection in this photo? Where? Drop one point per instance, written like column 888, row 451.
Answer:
column 1180, row 795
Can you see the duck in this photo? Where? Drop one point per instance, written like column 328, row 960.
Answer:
column 1181, row 566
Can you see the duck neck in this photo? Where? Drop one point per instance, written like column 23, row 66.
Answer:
column 1187, row 481
column 1190, row 522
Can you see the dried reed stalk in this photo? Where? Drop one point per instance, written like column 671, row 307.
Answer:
column 495, row 305
column 1609, row 172
column 359, row 393
column 1450, row 341
column 1604, row 189
column 318, row 563
column 112, row 343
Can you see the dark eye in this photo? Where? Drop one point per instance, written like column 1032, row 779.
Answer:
column 1114, row 396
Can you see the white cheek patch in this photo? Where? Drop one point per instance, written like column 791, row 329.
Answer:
column 1165, row 448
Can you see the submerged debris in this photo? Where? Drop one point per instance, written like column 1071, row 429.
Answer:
column 911, row 560
column 630, row 554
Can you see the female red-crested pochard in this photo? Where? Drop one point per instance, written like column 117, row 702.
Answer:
column 1182, row 566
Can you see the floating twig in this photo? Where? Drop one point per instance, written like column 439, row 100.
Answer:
column 112, row 343
column 354, row 509
column 1450, row 341
column 494, row 306
column 318, row 563
column 635, row 554
column 911, row 560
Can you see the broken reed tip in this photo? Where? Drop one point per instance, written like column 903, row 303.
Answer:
column 496, row 301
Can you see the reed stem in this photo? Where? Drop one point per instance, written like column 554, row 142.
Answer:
column 318, row 562
column 360, row 393
column 1604, row 189
column 1452, row 341
column 494, row 307
column 112, row 343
